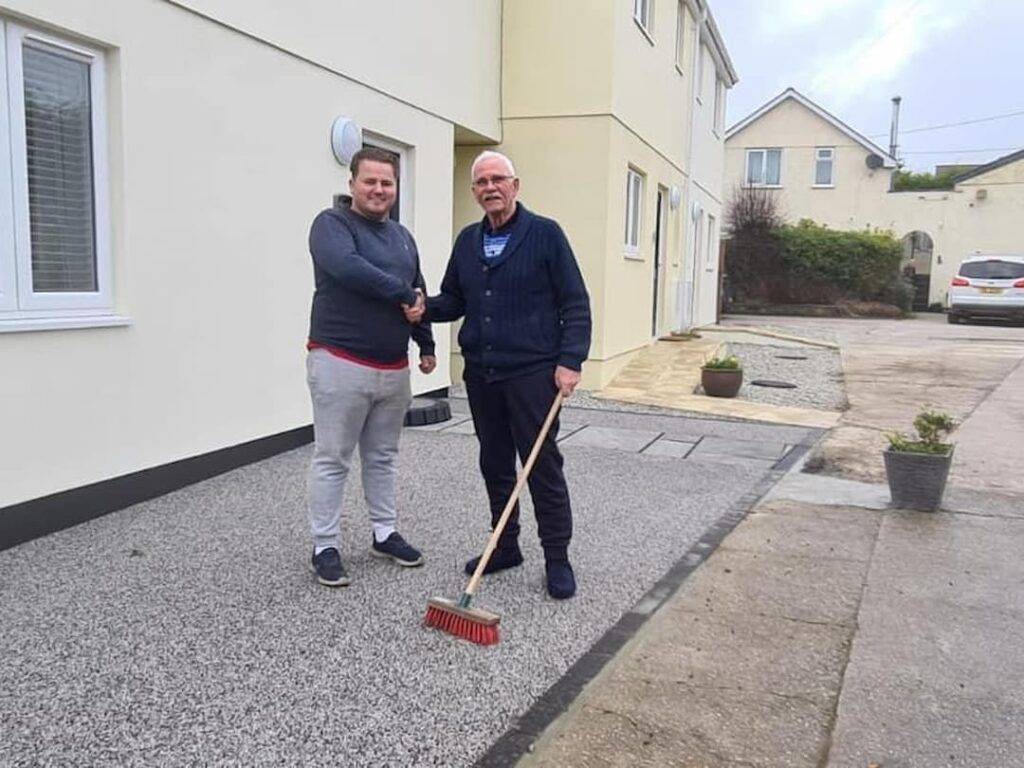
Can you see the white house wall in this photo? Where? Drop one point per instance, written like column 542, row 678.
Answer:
column 219, row 160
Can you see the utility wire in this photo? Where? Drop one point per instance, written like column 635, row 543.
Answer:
column 954, row 125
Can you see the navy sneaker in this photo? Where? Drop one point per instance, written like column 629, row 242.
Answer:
column 328, row 568
column 398, row 549
column 501, row 560
column 561, row 581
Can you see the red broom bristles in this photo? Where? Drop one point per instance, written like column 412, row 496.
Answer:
column 461, row 626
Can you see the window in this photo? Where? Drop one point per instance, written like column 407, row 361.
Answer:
column 764, row 167
column 719, row 105
column 634, row 210
column 992, row 269
column 712, row 254
column 681, row 37
column 55, row 254
column 698, row 83
column 824, row 163
column 643, row 14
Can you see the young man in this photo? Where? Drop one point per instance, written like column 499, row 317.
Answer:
column 525, row 336
column 367, row 274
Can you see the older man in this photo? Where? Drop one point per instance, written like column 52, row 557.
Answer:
column 368, row 283
column 526, row 334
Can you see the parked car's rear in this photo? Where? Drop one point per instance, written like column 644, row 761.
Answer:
column 989, row 287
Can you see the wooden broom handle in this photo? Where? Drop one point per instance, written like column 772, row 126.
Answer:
column 492, row 543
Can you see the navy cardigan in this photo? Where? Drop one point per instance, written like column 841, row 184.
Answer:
column 524, row 311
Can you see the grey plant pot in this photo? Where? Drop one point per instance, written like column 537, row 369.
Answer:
column 917, row 480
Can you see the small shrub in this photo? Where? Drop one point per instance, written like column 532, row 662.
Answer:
column 932, row 429
column 730, row 363
column 906, row 181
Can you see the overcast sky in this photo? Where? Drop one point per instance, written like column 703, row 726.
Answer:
column 950, row 60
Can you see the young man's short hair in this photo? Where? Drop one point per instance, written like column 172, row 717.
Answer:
column 374, row 155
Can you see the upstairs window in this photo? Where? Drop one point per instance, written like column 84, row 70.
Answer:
column 681, row 37
column 643, row 14
column 824, row 165
column 719, row 106
column 764, row 167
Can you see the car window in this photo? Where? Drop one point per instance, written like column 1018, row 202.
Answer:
column 993, row 269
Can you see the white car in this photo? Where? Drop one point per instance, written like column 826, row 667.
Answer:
column 989, row 286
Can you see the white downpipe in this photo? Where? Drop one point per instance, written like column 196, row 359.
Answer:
column 687, row 286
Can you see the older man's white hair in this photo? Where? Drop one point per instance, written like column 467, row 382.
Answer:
column 489, row 154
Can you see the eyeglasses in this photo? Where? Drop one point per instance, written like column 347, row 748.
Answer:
column 484, row 182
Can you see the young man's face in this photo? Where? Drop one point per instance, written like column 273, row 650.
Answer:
column 494, row 186
column 374, row 189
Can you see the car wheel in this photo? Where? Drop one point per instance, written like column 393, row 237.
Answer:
column 952, row 319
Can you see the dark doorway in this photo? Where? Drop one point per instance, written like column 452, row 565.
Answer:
column 659, row 231
column 917, row 267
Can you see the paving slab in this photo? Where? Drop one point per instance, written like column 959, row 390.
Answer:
column 782, row 586
column 612, row 438
column 813, row 488
column 751, row 449
column 852, row 538
column 667, row 723
column 673, row 449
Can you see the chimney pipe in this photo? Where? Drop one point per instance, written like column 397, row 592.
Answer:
column 895, row 129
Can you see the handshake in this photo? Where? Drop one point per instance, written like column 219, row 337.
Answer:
column 415, row 312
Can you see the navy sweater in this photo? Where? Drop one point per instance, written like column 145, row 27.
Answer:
column 364, row 271
column 524, row 311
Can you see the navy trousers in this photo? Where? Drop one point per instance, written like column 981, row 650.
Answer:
column 508, row 416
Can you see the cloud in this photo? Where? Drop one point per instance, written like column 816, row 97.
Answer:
column 896, row 33
column 786, row 17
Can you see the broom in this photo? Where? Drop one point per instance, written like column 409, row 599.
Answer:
column 458, row 618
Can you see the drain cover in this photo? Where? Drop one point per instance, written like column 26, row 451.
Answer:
column 790, row 357
column 773, row 384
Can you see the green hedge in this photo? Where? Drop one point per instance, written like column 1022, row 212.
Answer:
column 808, row 263
column 860, row 264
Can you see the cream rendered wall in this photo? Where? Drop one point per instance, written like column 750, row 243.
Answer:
column 556, row 58
column 444, row 58
column 651, row 96
column 219, row 161
column 851, row 203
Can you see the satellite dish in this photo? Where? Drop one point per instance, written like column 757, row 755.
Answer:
column 874, row 161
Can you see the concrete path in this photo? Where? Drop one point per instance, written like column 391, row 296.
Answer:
column 828, row 630
column 895, row 368
column 667, row 373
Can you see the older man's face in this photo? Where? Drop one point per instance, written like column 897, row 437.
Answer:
column 494, row 186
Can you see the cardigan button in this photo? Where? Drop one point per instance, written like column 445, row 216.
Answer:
column 487, row 319
column 487, row 292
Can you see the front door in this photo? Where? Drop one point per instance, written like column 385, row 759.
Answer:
column 659, row 233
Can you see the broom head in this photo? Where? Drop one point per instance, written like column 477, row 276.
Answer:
column 473, row 624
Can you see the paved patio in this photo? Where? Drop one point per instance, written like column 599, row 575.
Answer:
column 188, row 630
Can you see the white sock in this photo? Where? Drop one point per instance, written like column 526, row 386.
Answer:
column 318, row 549
column 381, row 532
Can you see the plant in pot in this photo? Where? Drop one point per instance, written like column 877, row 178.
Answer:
column 917, row 469
column 721, row 376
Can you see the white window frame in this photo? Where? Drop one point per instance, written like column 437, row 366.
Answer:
column 763, row 151
column 719, row 116
column 21, row 308
column 680, row 36
column 636, row 184
column 830, row 157
column 643, row 15
column 710, row 260
column 698, row 82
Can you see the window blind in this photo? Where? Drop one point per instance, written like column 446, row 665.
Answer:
column 58, row 132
